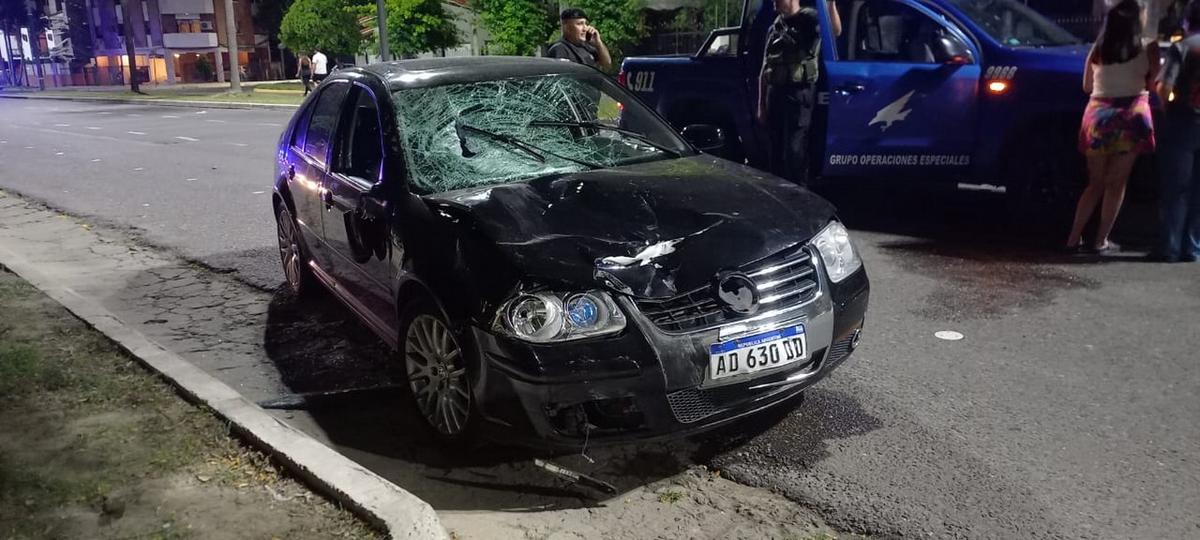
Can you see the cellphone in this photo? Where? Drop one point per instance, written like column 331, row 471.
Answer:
column 590, row 34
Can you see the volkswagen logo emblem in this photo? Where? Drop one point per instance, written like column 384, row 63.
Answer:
column 738, row 293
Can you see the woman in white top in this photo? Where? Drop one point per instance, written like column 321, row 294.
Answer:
column 1117, row 126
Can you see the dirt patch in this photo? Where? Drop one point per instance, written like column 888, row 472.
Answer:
column 698, row 504
column 94, row 446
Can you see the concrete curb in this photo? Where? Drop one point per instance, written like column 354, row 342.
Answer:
column 379, row 501
column 163, row 102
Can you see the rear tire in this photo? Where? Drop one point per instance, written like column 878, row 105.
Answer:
column 292, row 254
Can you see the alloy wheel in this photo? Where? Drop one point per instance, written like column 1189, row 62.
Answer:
column 289, row 250
column 437, row 375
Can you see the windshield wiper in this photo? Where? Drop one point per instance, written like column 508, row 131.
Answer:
column 535, row 152
column 597, row 125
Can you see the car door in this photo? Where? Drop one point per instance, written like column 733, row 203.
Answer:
column 903, row 92
column 356, row 220
column 307, row 159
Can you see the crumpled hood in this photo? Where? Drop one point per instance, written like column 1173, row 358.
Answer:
column 651, row 230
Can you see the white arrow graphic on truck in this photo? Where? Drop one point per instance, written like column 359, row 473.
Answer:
column 893, row 113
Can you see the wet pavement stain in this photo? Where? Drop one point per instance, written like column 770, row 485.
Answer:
column 974, row 283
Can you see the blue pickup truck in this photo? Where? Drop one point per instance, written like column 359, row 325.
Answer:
column 974, row 91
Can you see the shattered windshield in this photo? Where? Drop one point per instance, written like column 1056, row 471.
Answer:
column 1015, row 24
column 491, row 132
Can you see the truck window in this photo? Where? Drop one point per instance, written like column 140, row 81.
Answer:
column 1014, row 24
column 888, row 31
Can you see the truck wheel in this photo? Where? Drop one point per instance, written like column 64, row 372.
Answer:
column 1045, row 175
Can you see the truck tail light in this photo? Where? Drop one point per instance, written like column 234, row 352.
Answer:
column 998, row 87
column 621, row 77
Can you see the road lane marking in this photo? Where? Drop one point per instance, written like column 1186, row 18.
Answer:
column 62, row 125
column 169, row 116
column 239, row 144
column 135, row 132
column 271, row 124
column 95, row 128
column 139, row 168
column 97, row 160
column 58, row 153
column 258, row 193
column 189, row 139
column 29, row 148
column 215, row 121
column 191, row 179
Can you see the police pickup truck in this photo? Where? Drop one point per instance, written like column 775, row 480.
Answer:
column 974, row 91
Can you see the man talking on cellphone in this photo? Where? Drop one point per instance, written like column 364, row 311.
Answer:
column 580, row 42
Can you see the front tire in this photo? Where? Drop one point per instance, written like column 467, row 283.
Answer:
column 436, row 367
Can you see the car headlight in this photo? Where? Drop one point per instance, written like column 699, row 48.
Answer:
column 837, row 251
column 546, row 317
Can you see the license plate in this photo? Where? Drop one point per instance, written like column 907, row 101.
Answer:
column 759, row 352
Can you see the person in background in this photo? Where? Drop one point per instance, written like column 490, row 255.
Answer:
column 1179, row 151
column 1117, row 125
column 320, row 66
column 304, row 72
column 580, row 42
column 787, row 84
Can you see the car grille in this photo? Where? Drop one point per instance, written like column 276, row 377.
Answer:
column 786, row 278
column 695, row 404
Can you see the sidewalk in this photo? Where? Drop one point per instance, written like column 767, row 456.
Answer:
column 273, row 94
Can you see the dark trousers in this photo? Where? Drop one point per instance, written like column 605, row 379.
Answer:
column 789, row 122
column 1179, row 168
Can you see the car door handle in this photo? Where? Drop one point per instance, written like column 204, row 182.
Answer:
column 849, row 89
column 291, row 172
column 327, row 198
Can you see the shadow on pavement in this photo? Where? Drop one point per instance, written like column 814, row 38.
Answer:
column 319, row 347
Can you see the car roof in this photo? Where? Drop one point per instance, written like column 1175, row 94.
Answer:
column 425, row 72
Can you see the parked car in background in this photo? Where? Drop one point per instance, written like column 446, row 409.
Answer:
column 553, row 264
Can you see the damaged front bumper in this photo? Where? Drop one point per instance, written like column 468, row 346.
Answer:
column 645, row 383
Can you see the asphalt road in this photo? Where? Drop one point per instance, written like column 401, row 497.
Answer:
column 1069, row 409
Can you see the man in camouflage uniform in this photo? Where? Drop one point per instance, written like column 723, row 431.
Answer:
column 788, row 84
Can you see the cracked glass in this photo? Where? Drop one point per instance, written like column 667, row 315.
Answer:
column 490, row 132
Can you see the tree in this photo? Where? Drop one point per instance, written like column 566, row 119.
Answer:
column 517, row 27
column 417, row 26
column 620, row 22
column 319, row 25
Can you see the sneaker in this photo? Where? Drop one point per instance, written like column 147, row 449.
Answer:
column 1108, row 247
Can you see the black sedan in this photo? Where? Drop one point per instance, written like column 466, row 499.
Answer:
column 554, row 264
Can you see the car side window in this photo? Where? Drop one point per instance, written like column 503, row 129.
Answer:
column 889, row 31
column 297, row 140
column 324, row 120
column 359, row 149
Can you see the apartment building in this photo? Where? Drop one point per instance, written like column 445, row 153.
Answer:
column 175, row 40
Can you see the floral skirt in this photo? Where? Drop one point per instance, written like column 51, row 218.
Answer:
column 1117, row 126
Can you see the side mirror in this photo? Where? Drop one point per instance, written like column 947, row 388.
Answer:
column 947, row 50
column 707, row 138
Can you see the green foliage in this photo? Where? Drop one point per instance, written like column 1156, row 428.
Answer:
column 320, row 25
column 417, row 26
column 620, row 22
column 517, row 27
column 721, row 13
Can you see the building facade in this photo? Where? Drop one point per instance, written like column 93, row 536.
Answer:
column 176, row 40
